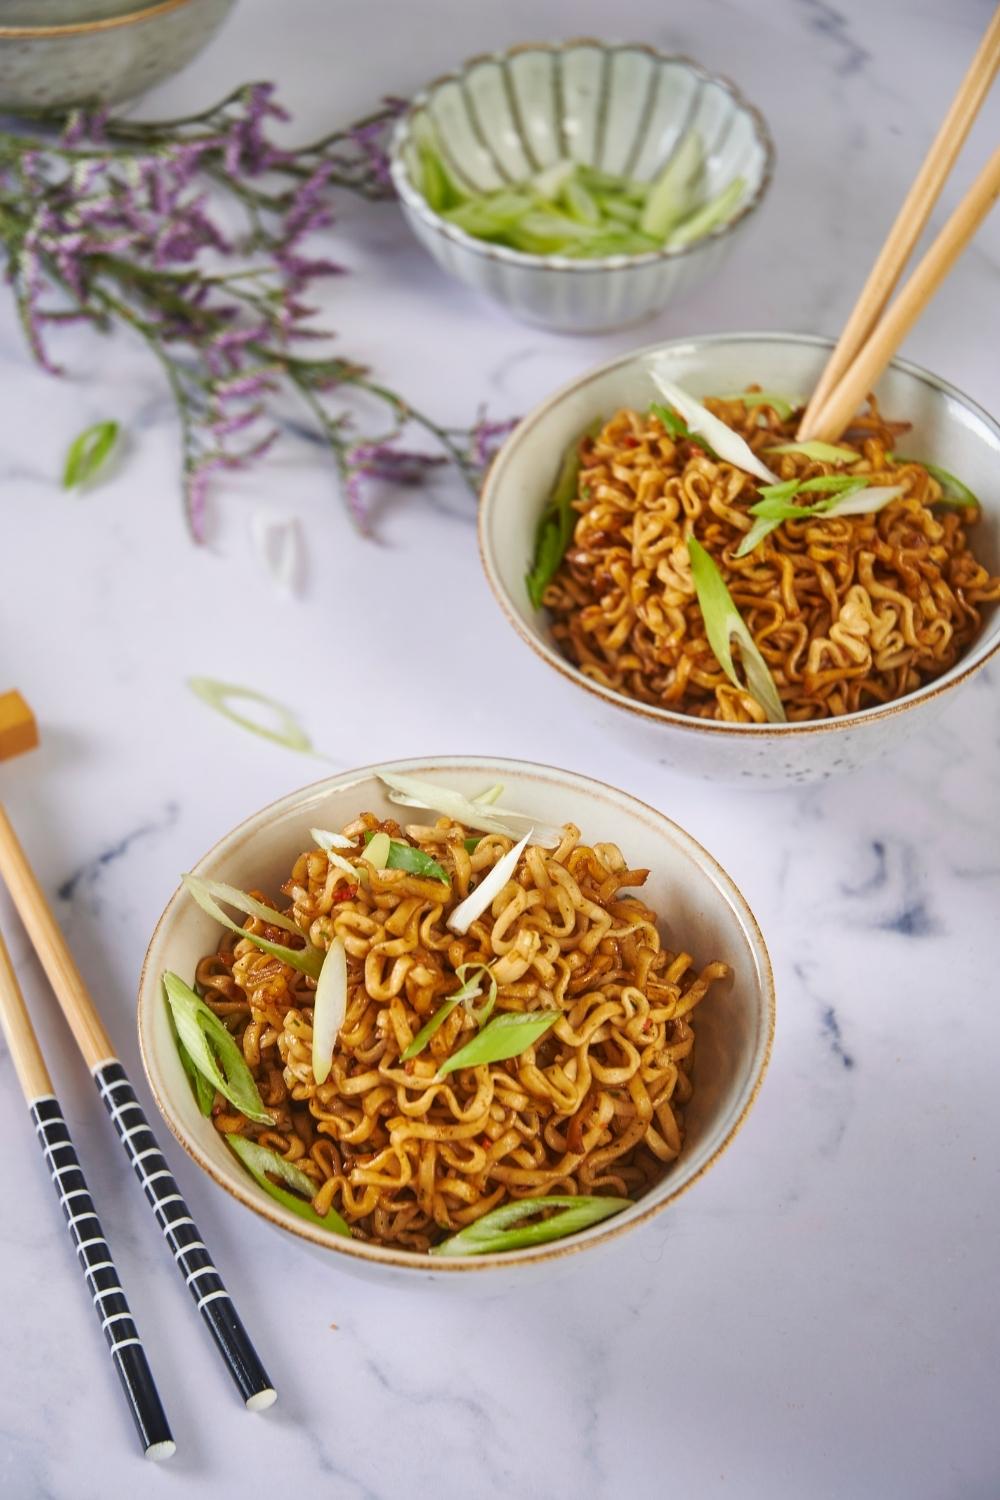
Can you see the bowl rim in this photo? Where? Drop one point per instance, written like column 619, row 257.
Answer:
column 415, row 200
column 149, row 12
column 979, row 653
column 409, row 1260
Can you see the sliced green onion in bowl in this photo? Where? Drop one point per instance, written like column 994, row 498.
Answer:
column 408, row 791
column 723, row 625
column 208, row 893
column 503, row 1228
column 505, row 1036
column 711, row 214
column 825, row 453
column 408, row 857
column 728, row 445
column 557, row 521
column 212, row 1049
column 471, row 990
column 204, row 1091
column 476, row 902
column 327, row 841
column 955, row 492
column 377, row 851
column 260, row 1161
column 674, row 194
column 782, row 406
column 329, row 1008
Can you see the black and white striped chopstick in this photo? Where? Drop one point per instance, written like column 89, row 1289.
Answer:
column 103, row 1282
column 191, row 1254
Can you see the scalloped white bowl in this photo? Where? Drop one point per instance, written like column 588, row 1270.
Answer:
column 948, row 429
column 700, row 908
column 622, row 108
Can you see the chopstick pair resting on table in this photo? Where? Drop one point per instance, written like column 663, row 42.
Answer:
column 866, row 345
column 190, row 1254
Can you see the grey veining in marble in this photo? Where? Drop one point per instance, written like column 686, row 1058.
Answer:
column 818, row 1318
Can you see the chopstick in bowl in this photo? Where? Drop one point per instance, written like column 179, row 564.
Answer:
column 910, row 221
column 91, row 1247
column 190, row 1253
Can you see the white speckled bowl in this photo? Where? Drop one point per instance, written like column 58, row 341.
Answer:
column 65, row 52
column 701, row 909
column 948, row 429
column 622, row 108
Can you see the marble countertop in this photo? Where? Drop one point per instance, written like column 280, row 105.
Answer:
column 819, row 1316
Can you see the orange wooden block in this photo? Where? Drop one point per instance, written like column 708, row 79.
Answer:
column 18, row 730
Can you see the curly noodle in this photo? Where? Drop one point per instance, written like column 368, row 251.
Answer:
column 848, row 611
column 595, row 1106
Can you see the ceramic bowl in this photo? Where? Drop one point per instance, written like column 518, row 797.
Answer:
column 621, row 108
column 702, row 910
column 948, row 429
column 65, row 52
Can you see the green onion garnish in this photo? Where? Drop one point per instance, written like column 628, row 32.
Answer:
column 212, row 1050
column 675, row 193
column 415, row 861
column 470, row 990
column 497, row 1231
column 558, row 521
column 711, row 214
column 286, row 731
column 723, row 625
column 955, row 493
column 826, row 453
column 204, row 1092
column 505, row 1036
column 260, row 1162
column 208, row 894
column 782, row 406
column 88, row 454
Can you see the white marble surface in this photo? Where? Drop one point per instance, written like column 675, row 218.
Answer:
column 819, row 1316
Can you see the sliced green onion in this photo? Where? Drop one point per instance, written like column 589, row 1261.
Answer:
column 248, row 905
column 713, row 213
column 557, row 522
column 329, row 1008
column 259, row 1161
column 955, row 493
column 723, row 625
column 408, row 791
column 476, row 902
column 762, row 527
column 307, row 960
column 550, row 182
column 212, row 1049
column 861, row 502
column 327, row 840
column 204, row 1092
column 492, row 794
column 579, row 203
column 88, row 454
column 505, row 1036
column 407, row 857
column 287, row 731
column 470, row 990
column 497, row 1231
column 727, row 444
column 378, row 850
column 674, row 194
column 841, row 490
column 825, row 453
column 472, row 844
column 782, row 406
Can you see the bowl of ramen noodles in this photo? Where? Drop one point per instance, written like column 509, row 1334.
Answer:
column 754, row 607
column 456, row 1014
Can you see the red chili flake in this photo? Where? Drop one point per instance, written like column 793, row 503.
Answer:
column 408, row 1067
column 347, row 894
column 647, row 1024
column 628, row 441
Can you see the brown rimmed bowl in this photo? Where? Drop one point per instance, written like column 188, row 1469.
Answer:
column 701, row 911
column 948, row 428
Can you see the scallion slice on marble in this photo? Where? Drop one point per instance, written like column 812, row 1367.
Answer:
column 89, row 453
column 286, row 730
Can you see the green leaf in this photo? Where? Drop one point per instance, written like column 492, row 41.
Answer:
column 286, row 732
column 955, row 493
column 497, row 1231
column 259, row 1161
column 307, row 960
column 713, row 213
column 558, row 521
column 723, row 625
column 824, row 453
column 88, row 454
column 505, row 1036
column 212, row 1049
column 783, row 406
column 409, row 857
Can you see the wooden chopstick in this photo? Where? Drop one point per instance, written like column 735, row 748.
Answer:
column 861, row 375
column 93, row 1252
column 910, row 221
column 190, row 1254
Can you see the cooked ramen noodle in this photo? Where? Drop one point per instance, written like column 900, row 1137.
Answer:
column 848, row 611
column 406, row 1153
